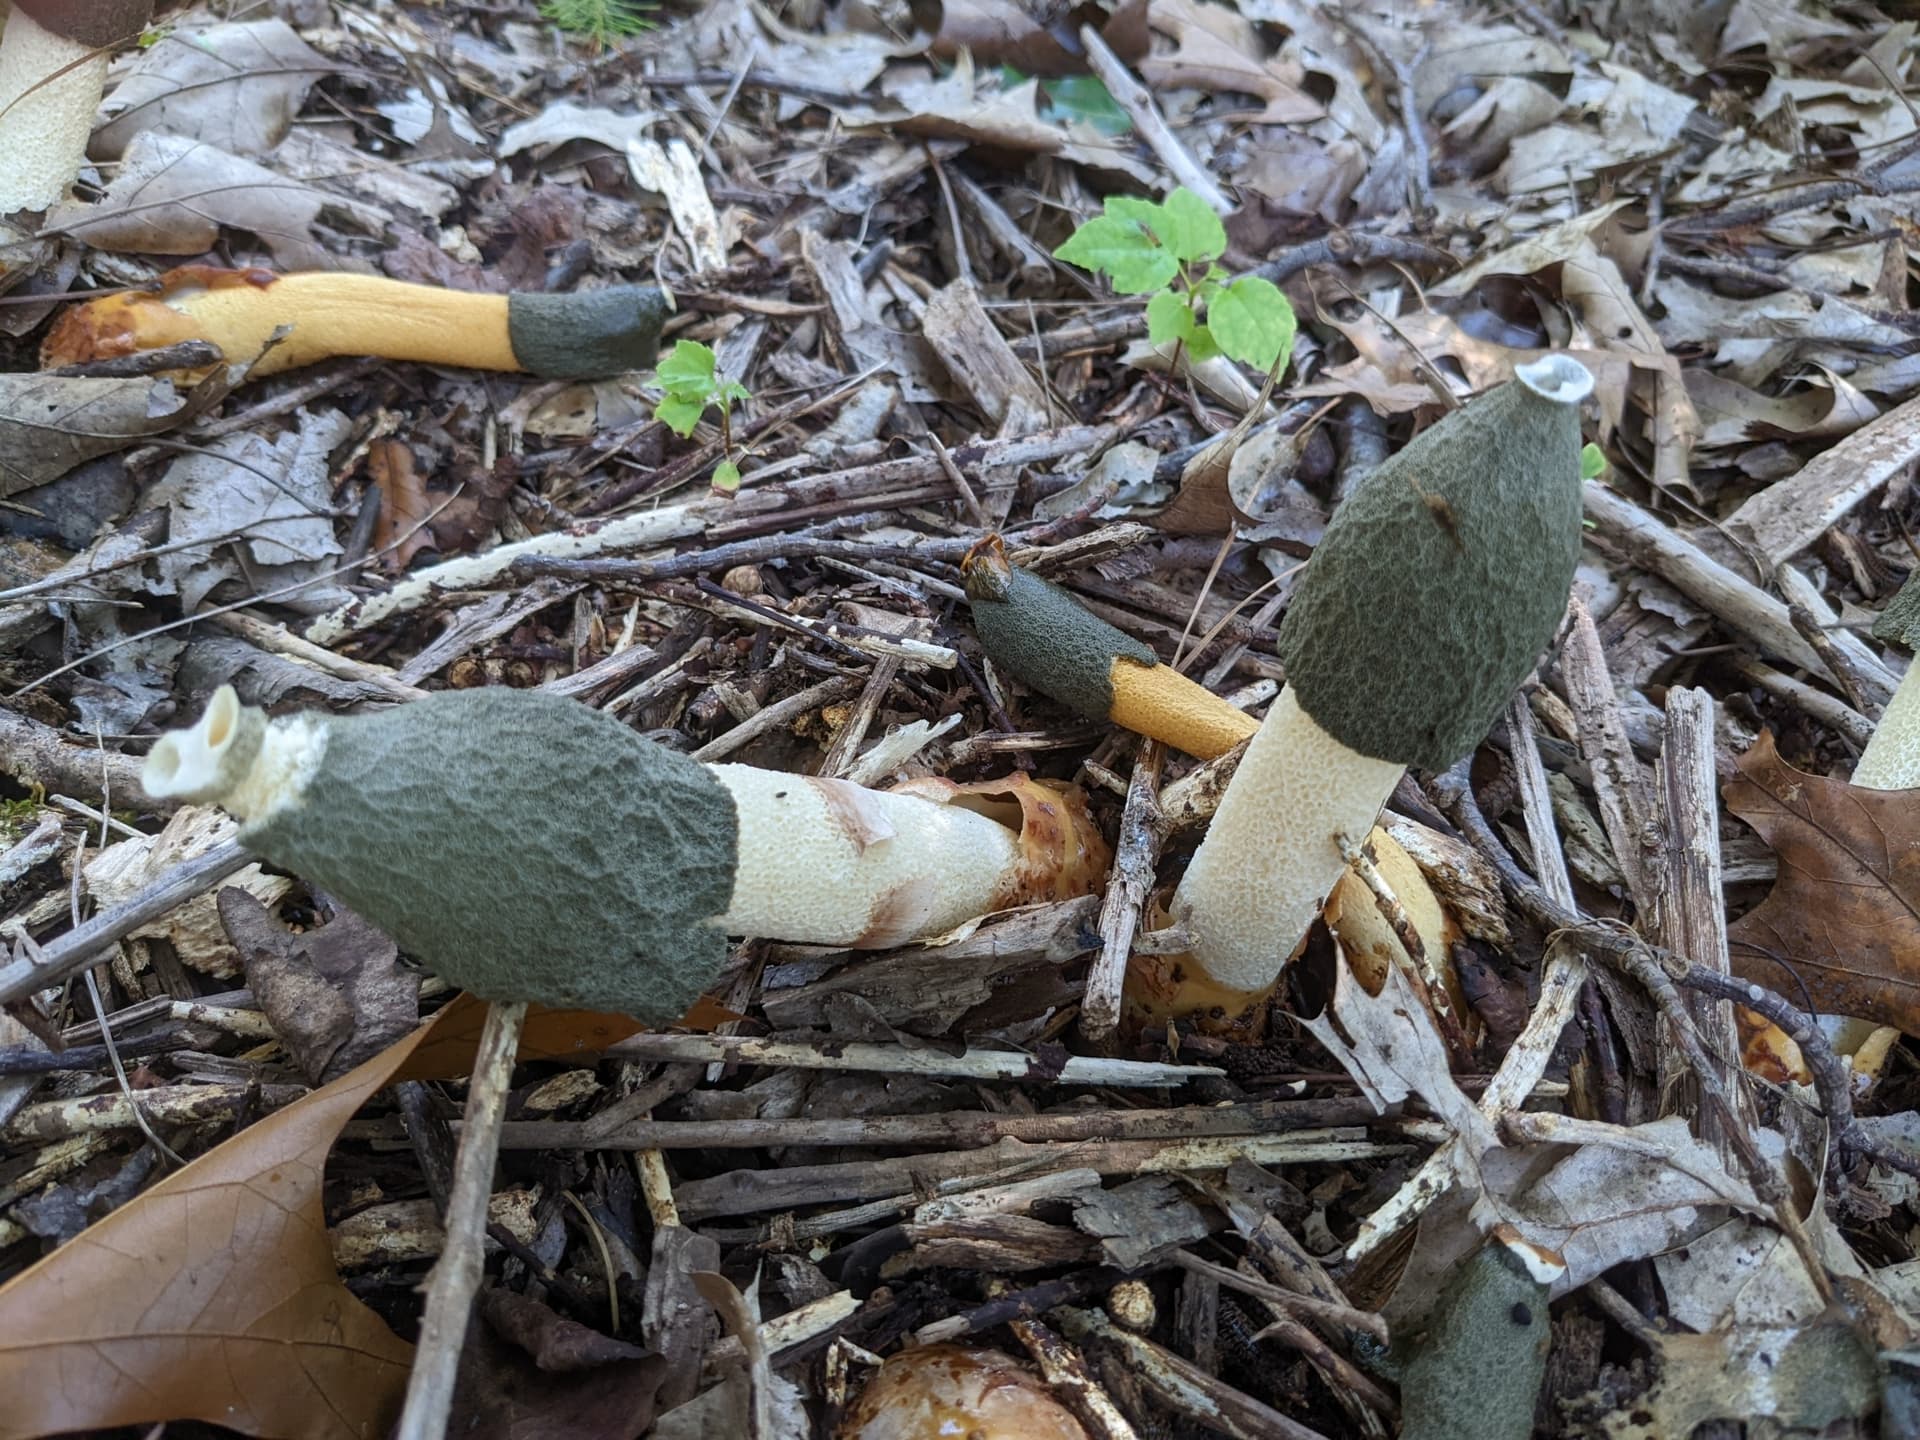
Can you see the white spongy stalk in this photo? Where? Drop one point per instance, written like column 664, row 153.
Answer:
column 1272, row 853
column 828, row 862
column 1891, row 760
column 46, row 112
column 236, row 758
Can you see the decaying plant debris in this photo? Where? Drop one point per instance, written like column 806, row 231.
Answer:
column 1589, row 1108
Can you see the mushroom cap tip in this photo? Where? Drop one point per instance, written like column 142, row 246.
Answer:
column 1556, row 377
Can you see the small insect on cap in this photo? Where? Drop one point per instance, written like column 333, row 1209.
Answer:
column 1442, row 576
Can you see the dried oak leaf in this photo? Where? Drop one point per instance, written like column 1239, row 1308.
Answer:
column 1841, row 928
column 51, row 423
column 213, row 1296
column 399, row 534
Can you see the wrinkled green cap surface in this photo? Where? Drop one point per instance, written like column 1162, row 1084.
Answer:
column 1440, row 580
column 585, row 334
column 1899, row 623
column 1479, row 1370
column 1042, row 635
column 524, row 847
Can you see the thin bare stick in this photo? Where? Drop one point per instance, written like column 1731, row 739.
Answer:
column 1134, row 98
column 1142, row 833
column 457, row 1273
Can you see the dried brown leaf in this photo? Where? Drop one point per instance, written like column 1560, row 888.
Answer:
column 237, row 86
column 1216, row 49
column 171, row 195
column 214, row 1295
column 51, row 423
column 399, row 535
column 337, row 995
column 1840, row 930
column 529, row 1374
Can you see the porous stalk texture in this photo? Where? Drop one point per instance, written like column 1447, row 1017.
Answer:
column 43, row 135
column 1271, row 854
column 587, row 333
column 1442, row 576
column 524, row 846
column 828, row 862
column 1043, row 636
column 1161, row 702
column 1891, row 760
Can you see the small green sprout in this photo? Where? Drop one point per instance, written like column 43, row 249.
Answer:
column 600, row 21
column 1593, row 462
column 691, row 382
column 1143, row 247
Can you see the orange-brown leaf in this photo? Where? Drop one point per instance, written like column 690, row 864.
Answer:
column 400, row 533
column 1843, row 919
column 213, row 1296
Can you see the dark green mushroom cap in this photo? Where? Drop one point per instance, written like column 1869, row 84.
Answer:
column 1478, row 1370
column 1443, row 575
column 1899, row 623
column 523, row 846
column 1040, row 634
column 587, row 333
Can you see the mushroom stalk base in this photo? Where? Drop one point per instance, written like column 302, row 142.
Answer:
column 46, row 112
column 1272, row 854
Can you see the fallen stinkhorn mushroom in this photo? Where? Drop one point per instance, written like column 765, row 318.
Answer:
column 528, row 847
column 1040, row 634
column 1436, row 586
column 1891, row 760
column 574, row 336
column 53, row 71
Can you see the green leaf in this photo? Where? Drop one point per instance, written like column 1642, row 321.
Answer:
column 726, row 477
column 1123, row 251
column 1201, row 345
column 1085, row 99
column 1191, row 229
column 1253, row 322
column 679, row 413
column 688, row 370
column 1168, row 318
column 731, row 390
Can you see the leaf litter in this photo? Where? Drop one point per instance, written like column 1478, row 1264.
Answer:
column 862, row 217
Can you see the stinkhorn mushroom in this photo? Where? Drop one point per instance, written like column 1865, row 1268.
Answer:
column 1891, row 760
column 578, row 335
column 1041, row 635
column 942, row 1391
column 1038, row 632
column 1477, row 1368
column 528, row 847
column 1435, row 588
column 53, row 71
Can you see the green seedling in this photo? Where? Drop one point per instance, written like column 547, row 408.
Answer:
column 1593, row 462
column 600, row 21
column 1168, row 251
column 692, row 383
